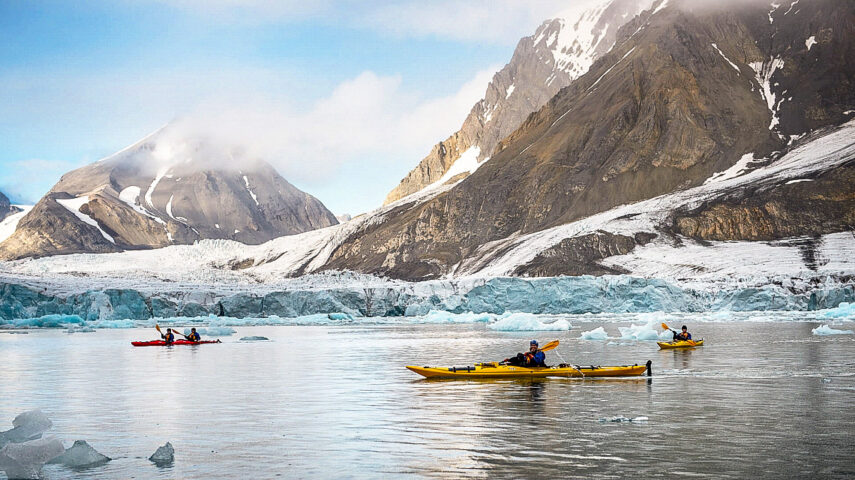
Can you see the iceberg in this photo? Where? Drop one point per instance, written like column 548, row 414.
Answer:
column 647, row 331
column 439, row 316
column 525, row 322
column 163, row 455
column 46, row 321
column 213, row 331
column 598, row 333
column 81, row 454
column 25, row 460
column 826, row 330
column 29, row 425
column 844, row 310
column 254, row 338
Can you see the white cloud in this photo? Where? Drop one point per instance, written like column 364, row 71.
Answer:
column 369, row 118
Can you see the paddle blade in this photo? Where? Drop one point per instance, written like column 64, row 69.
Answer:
column 158, row 328
column 665, row 326
column 549, row 346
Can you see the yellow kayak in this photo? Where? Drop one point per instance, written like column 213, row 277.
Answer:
column 495, row 370
column 681, row 344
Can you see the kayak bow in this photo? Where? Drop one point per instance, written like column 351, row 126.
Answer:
column 495, row 370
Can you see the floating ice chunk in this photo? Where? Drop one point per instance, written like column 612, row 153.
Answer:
column 826, row 380
column 29, row 425
column 113, row 324
column 163, row 454
column 598, row 333
column 83, row 329
column 81, row 454
column 213, row 331
column 25, row 460
column 46, row 321
column 844, row 310
column 253, row 338
column 526, row 322
column 340, row 316
column 622, row 419
column 826, row 330
column 439, row 316
column 644, row 332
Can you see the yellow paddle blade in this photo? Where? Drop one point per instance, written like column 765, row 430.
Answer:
column 158, row 328
column 665, row 326
column 549, row 346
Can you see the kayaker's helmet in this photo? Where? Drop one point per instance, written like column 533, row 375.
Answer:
column 684, row 327
column 533, row 342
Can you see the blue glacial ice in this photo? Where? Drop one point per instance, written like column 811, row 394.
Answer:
column 844, row 310
column 598, row 333
column 526, row 322
column 27, row 307
column 826, row 330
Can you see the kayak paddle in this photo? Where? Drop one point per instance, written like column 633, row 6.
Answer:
column 666, row 327
column 549, row 346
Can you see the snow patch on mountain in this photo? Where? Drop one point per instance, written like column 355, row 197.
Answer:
column 811, row 41
column 73, row 205
column 725, row 57
column 741, row 166
column 160, row 174
column 252, row 194
column 763, row 74
column 10, row 223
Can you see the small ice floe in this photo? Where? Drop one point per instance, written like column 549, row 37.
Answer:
column 826, row 380
column 826, row 330
column 25, row 460
column 340, row 316
column 622, row 419
column 598, row 333
column 80, row 455
column 213, row 331
column 163, row 455
column 844, row 310
column 644, row 332
column 440, row 316
column 83, row 329
column 527, row 322
column 29, row 425
column 254, row 338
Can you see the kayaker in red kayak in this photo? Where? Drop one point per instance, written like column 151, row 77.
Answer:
column 682, row 336
column 194, row 336
column 168, row 337
column 533, row 358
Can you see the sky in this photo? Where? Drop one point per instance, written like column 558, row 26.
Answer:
column 345, row 97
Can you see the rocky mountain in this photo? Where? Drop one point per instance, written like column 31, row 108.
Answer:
column 6, row 208
column 560, row 50
column 162, row 191
column 690, row 90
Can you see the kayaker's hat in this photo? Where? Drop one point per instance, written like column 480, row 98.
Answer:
column 533, row 342
column 684, row 327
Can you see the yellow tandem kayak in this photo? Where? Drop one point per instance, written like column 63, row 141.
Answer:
column 681, row 344
column 495, row 370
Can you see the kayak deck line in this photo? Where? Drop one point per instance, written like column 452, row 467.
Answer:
column 161, row 343
column 497, row 370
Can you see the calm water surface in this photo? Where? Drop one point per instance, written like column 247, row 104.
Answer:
column 760, row 400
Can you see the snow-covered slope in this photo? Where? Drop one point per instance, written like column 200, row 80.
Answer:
column 234, row 265
column 561, row 50
column 10, row 223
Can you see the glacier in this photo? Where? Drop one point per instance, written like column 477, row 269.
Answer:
column 33, row 306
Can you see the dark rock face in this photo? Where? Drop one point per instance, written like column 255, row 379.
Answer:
column 541, row 65
column 663, row 110
column 821, row 205
column 148, row 196
column 579, row 255
column 6, row 208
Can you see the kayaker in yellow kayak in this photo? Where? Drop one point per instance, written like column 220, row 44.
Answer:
column 533, row 358
column 682, row 336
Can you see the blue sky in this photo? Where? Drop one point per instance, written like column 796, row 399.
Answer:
column 351, row 94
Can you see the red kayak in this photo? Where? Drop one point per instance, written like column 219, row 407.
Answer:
column 161, row 343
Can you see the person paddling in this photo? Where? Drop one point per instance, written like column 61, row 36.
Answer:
column 682, row 336
column 168, row 337
column 194, row 335
column 533, row 358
